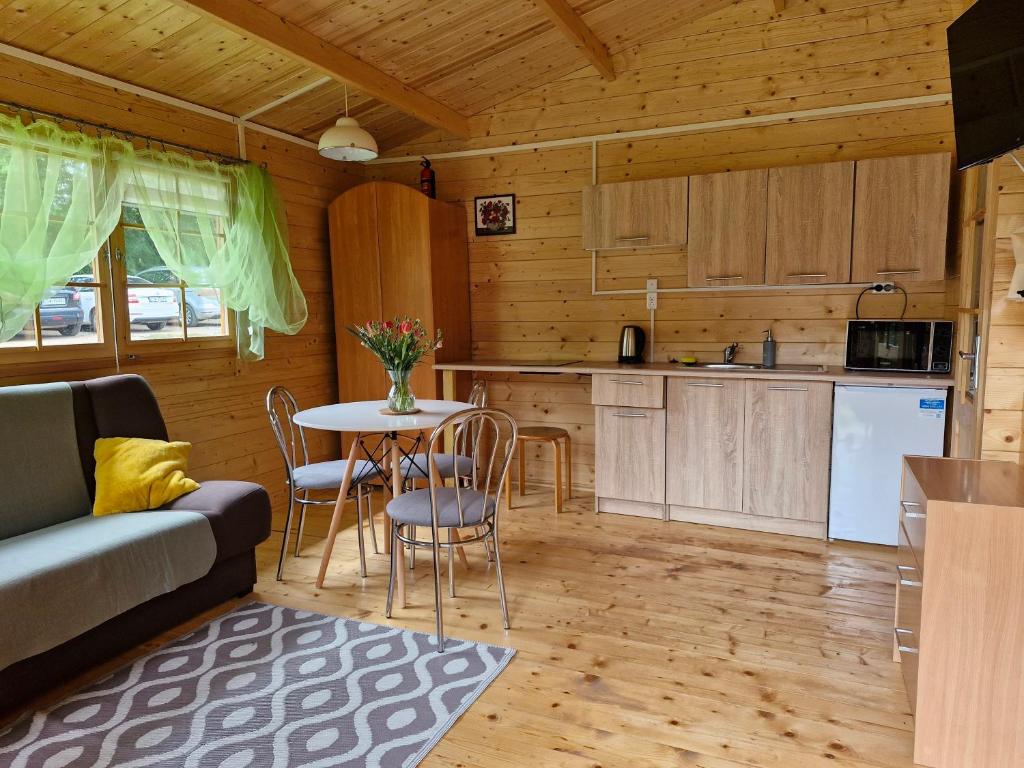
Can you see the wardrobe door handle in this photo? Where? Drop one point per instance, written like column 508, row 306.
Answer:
column 635, row 239
column 788, row 389
column 807, row 274
column 623, row 381
column 899, row 272
column 724, row 277
column 702, row 384
column 630, row 415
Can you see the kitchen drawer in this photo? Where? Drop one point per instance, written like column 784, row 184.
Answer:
column 907, row 564
column 628, row 390
column 630, row 454
column 908, row 633
column 914, row 517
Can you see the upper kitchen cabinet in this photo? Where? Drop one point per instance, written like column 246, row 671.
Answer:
column 635, row 214
column 394, row 251
column 728, row 227
column 900, row 216
column 810, row 224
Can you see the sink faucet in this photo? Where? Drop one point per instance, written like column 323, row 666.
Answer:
column 729, row 353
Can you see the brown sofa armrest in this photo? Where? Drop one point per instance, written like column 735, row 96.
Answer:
column 239, row 513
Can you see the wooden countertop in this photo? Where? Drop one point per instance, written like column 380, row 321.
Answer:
column 834, row 374
column 993, row 483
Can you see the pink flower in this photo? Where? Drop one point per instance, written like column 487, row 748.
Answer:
column 369, row 326
column 439, row 345
column 405, row 327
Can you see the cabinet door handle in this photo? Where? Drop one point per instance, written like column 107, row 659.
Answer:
column 630, row 415
column 968, row 355
column 624, row 381
column 724, row 277
column 909, row 569
column 702, row 384
column 807, row 274
column 634, row 239
column 899, row 272
column 908, row 505
column 905, row 648
column 788, row 389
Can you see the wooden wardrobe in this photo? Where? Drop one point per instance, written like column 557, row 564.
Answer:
column 395, row 251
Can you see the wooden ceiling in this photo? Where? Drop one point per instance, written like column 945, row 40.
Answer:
column 455, row 56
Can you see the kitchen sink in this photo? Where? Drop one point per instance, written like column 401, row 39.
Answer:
column 730, row 366
column 792, row 368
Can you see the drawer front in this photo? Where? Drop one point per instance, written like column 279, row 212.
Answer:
column 908, row 633
column 914, row 516
column 907, row 565
column 628, row 390
column 630, row 454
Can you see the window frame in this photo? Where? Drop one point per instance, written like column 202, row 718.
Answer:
column 114, row 332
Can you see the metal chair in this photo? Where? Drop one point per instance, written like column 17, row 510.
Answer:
column 470, row 503
column 303, row 476
column 448, row 465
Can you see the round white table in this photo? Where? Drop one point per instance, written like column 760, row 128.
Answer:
column 365, row 418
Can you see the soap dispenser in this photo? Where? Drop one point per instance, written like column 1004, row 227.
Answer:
column 768, row 347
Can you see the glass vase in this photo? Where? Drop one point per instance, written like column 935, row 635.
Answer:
column 401, row 398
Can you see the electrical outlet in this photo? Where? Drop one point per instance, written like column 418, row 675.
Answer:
column 883, row 287
column 652, row 293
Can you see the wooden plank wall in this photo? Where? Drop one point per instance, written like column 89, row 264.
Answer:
column 531, row 293
column 213, row 400
column 1004, row 381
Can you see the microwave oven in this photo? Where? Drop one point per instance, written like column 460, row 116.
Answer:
column 907, row 346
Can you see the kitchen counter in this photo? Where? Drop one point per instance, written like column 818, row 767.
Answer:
column 835, row 374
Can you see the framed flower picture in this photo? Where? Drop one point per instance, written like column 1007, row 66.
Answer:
column 495, row 215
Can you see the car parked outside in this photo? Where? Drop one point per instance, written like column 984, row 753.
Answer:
column 152, row 307
column 200, row 303
column 61, row 310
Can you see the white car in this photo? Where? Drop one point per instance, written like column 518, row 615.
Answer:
column 151, row 307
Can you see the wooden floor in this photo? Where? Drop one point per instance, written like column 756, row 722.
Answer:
column 648, row 644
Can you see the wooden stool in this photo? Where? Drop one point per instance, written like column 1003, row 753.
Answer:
column 554, row 436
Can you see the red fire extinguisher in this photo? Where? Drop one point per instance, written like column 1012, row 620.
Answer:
column 428, row 180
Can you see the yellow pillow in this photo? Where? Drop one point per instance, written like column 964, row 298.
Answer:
column 134, row 474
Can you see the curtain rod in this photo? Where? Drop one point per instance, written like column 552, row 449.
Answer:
column 129, row 136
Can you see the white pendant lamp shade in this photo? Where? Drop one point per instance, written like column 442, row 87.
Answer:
column 345, row 140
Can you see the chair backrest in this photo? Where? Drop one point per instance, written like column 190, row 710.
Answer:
column 478, row 394
column 488, row 437
column 291, row 439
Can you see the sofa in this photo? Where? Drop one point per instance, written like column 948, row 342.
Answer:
column 76, row 590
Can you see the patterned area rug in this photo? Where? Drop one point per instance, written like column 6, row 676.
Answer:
column 268, row 687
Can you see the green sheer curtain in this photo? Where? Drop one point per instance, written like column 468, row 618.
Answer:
column 60, row 198
column 221, row 226
column 212, row 224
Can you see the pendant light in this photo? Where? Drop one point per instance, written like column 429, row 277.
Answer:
column 345, row 140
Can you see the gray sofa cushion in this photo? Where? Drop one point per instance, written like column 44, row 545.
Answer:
column 43, row 482
column 414, row 507
column 61, row 581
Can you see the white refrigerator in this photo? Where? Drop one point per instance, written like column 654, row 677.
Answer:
column 873, row 429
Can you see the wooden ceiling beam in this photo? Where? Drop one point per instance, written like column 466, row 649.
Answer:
column 257, row 23
column 573, row 27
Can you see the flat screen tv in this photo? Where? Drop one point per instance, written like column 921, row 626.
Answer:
column 986, row 64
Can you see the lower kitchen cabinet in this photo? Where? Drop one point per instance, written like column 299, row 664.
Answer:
column 750, row 453
column 704, row 443
column 630, row 460
column 788, row 448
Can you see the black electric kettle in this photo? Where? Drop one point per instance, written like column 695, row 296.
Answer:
column 631, row 344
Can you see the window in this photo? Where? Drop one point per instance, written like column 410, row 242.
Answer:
column 150, row 307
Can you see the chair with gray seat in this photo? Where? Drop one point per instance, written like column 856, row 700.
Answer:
column 449, row 465
column 486, row 436
column 303, row 476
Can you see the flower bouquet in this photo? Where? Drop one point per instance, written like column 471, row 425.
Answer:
column 399, row 344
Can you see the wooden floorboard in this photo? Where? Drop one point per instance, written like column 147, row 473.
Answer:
column 646, row 644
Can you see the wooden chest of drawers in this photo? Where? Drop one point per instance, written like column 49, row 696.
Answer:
column 959, row 629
